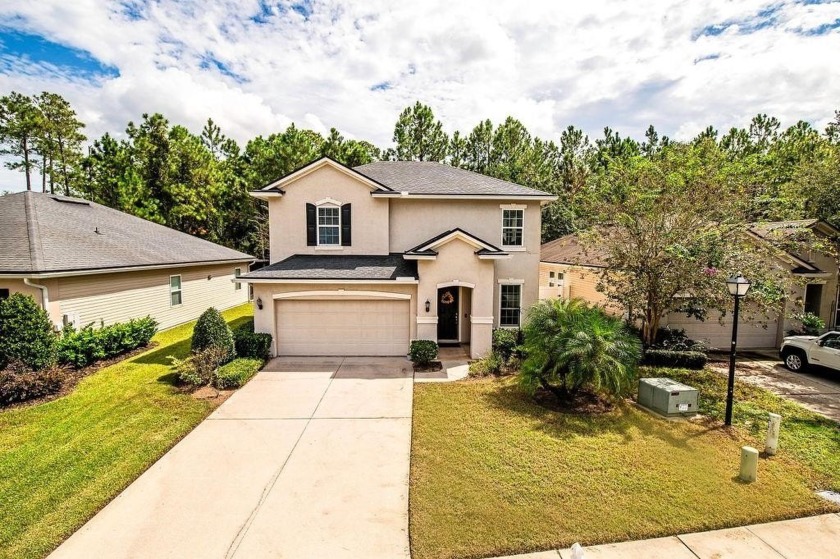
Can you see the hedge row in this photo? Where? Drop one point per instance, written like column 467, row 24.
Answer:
column 680, row 359
column 80, row 348
column 237, row 372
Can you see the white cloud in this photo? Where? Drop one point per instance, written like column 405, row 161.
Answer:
column 550, row 64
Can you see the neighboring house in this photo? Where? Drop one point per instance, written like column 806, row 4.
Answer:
column 86, row 263
column 364, row 260
column 575, row 272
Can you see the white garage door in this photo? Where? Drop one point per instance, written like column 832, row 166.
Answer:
column 751, row 335
column 342, row 327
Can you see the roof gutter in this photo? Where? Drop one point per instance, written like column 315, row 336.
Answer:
column 45, row 292
column 93, row 271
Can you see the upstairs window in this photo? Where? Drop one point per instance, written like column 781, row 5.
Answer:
column 329, row 226
column 236, row 273
column 510, row 307
column 512, row 227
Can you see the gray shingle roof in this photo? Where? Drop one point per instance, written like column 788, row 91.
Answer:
column 425, row 177
column 339, row 267
column 42, row 233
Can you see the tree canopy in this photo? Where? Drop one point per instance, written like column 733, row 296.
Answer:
column 199, row 183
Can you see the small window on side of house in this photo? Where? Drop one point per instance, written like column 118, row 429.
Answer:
column 551, row 275
column 175, row 296
column 236, row 273
column 4, row 294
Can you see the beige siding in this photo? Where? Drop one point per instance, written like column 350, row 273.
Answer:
column 110, row 298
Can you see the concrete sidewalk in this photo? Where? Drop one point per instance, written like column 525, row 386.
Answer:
column 309, row 459
column 816, row 537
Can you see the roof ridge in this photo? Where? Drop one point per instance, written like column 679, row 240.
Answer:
column 33, row 234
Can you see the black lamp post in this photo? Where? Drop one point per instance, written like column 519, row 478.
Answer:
column 738, row 287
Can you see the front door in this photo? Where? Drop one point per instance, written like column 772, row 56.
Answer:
column 447, row 305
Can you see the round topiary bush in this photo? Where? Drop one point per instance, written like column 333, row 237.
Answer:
column 212, row 330
column 26, row 333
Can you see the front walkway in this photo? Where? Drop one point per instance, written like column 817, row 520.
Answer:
column 816, row 537
column 309, row 459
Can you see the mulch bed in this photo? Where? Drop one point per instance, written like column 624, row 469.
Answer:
column 211, row 394
column 430, row 368
column 583, row 403
column 72, row 376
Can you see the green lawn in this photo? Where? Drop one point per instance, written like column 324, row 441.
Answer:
column 62, row 461
column 494, row 474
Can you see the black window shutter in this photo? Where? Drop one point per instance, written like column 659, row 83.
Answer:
column 345, row 225
column 311, row 226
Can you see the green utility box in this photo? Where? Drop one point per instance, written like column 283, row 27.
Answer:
column 667, row 397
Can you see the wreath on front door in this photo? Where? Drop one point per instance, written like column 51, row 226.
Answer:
column 447, row 298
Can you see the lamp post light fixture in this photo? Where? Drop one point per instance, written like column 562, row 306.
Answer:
column 738, row 286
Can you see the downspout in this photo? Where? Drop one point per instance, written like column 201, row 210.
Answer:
column 45, row 293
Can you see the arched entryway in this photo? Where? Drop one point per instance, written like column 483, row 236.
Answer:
column 454, row 305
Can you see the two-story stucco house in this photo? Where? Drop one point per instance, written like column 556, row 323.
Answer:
column 365, row 259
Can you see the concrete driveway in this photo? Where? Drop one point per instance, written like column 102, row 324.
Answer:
column 309, row 459
column 817, row 389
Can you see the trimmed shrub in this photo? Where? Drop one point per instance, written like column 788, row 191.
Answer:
column 236, row 373
column 212, row 330
column 490, row 365
column 423, row 352
column 506, row 343
column 23, row 384
column 251, row 344
column 679, row 359
column 198, row 368
column 26, row 333
column 82, row 347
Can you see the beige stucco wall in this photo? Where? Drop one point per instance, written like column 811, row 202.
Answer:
column 457, row 264
column 415, row 221
column 17, row 286
column 264, row 319
column 110, row 298
column 287, row 215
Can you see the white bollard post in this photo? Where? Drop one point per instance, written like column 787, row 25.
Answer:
column 749, row 464
column 772, row 444
column 577, row 551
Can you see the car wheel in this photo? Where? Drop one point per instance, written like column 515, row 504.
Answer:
column 795, row 361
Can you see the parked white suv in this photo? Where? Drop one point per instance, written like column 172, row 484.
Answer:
column 800, row 351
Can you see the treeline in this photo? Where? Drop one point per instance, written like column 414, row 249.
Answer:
column 199, row 183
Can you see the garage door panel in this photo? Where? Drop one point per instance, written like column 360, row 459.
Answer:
column 342, row 327
column 719, row 335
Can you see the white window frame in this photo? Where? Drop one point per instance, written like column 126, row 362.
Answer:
column 318, row 225
column 519, row 315
column 513, row 208
column 179, row 291
column 237, row 285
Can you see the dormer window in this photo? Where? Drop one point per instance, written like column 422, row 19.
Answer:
column 329, row 225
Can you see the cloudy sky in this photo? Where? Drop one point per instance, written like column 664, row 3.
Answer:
column 256, row 66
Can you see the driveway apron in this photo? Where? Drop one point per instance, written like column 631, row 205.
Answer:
column 309, row 459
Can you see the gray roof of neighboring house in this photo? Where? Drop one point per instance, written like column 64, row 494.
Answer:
column 42, row 233
column 426, row 177
column 338, row 267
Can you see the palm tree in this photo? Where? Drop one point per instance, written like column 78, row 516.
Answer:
column 570, row 345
